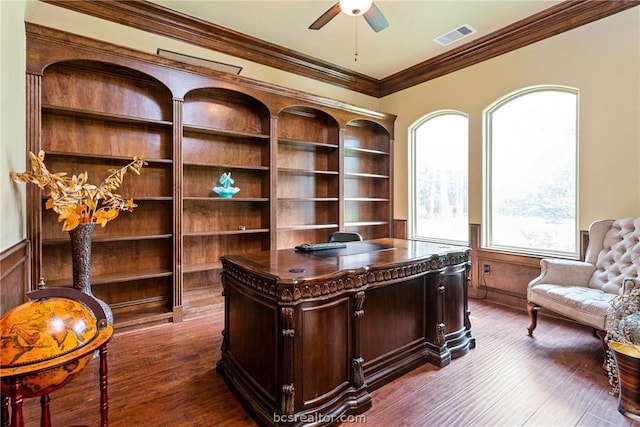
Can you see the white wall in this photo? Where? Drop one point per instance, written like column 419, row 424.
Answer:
column 12, row 122
column 602, row 59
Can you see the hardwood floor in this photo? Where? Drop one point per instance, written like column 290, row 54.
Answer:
column 165, row 376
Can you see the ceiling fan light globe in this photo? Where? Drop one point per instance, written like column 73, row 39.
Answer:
column 355, row 7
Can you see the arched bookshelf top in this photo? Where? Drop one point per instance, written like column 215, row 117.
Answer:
column 308, row 124
column 225, row 109
column 94, row 87
column 367, row 135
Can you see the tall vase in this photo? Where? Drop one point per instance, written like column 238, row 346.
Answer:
column 81, row 237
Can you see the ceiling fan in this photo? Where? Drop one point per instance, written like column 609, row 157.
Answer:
column 372, row 14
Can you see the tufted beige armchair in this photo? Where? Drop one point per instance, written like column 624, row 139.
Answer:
column 582, row 290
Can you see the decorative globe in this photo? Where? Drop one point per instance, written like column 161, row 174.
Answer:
column 45, row 343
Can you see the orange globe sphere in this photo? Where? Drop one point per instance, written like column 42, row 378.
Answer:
column 43, row 344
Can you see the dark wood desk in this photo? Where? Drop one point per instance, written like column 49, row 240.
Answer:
column 308, row 335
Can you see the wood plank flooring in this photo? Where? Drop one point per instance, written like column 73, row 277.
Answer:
column 165, row 376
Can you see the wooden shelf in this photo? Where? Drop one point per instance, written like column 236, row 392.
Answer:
column 102, row 116
column 366, row 151
column 203, row 301
column 228, row 200
column 137, row 199
column 307, row 172
column 115, row 277
column 144, row 313
column 307, row 227
column 202, row 267
column 223, row 132
column 153, row 199
column 314, row 144
column 157, row 305
column 227, row 232
column 101, row 159
column 365, row 199
column 366, row 175
column 224, row 166
column 308, row 199
column 97, row 240
column 365, row 223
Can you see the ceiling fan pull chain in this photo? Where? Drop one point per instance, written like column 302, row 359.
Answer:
column 355, row 19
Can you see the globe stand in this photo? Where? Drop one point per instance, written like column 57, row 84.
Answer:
column 14, row 377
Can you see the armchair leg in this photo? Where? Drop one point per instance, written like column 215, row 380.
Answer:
column 532, row 309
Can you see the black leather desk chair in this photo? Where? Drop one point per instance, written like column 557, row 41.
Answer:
column 344, row 236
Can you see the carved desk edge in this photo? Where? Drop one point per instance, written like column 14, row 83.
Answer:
column 299, row 289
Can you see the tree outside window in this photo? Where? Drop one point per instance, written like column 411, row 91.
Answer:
column 531, row 172
column 440, row 178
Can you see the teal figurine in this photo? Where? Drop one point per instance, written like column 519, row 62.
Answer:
column 226, row 191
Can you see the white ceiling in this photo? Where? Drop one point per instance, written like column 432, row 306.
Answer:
column 407, row 41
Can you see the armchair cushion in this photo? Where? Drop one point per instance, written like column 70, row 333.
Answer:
column 585, row 305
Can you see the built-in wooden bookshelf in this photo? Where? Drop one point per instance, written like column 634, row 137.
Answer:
column 308, row 190
column 367, row 181
column 223, row 132
column 306, row 167
column 96, row 117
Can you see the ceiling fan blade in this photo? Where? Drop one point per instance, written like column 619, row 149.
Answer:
column 326, row 17
column 375, row 18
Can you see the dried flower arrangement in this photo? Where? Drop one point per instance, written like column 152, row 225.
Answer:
column 74, row 199
column 622, row 325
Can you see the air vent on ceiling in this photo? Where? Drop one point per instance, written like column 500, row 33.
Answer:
column 455, row 35
column 218, row 66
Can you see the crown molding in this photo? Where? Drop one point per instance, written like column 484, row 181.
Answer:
column 550, row 22
column 156, row 19
column 160, row 20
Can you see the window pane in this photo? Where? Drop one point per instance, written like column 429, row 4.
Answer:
column 532, row 174
column 440, row 208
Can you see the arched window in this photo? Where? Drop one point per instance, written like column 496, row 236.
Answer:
column 531, row 172
column 439, row 178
